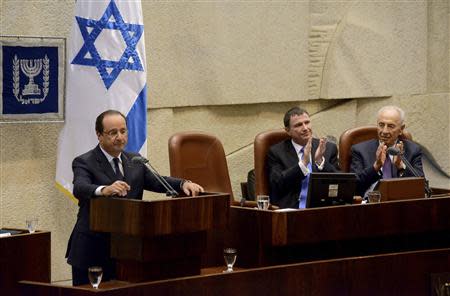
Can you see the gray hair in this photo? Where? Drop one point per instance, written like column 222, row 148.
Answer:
column 395, row 108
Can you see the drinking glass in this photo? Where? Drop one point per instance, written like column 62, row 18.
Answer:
column 374, row 196
column 229, row 254
column 263, row 202
column 95, row 274
column 31, row 224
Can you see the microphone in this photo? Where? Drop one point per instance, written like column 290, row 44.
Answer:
column 169, row 189
column 395, row 151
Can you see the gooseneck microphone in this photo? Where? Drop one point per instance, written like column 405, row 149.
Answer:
column 395, row 151
column 169, row 189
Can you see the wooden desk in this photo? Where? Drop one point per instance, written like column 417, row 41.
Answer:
column 269, row 238
column 24, row 256
column 389, row 274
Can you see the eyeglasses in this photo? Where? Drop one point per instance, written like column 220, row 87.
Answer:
column 114, row 133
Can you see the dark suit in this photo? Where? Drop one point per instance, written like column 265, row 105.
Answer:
column 364, row 156
column 285, row 175
column 91, row 170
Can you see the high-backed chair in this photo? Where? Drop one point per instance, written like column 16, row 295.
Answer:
column 354, row 136
column 261, row 146
column 200, row 157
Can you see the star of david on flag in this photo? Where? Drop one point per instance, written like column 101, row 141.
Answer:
column 106, row 70
column 88, row 54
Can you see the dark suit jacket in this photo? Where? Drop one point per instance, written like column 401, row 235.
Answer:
column 285, row 175
column 363, row 158
column 87, row 248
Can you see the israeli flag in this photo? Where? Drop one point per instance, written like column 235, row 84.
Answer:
column 106, row 69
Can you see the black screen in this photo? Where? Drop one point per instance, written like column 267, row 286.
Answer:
column 328, row 189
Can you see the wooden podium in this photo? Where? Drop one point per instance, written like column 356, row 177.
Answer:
column 402, row 188
column 23, row 256
column 159, row 239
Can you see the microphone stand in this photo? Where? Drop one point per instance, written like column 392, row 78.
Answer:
column 169, row 189
column 428, row 190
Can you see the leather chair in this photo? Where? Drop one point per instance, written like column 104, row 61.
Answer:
column 200, row 157
column 261, row 146
column 357, row 135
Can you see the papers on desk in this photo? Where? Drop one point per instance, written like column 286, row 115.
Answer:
column 8, row 232
column 286, row 210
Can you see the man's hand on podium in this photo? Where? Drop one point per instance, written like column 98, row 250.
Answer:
column 191, row 189
column 118, row 188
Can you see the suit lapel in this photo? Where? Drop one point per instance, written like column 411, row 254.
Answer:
column 394, row 170
column 372, row 151
column 126, row 164
column 103, row 163
column 314, row 145
column 292, row 156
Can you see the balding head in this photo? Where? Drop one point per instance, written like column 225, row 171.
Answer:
column 390, row 124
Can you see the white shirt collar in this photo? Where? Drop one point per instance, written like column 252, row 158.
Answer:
column 297, row 147
column 109, row 157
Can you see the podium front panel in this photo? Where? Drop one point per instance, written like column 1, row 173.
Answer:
column 24, row 256
column 159, row 239
column 160, row 217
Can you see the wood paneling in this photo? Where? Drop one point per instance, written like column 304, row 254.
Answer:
column 267, row 237
column 24, row 256
column 405, row 273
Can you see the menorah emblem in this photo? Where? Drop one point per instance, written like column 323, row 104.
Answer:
column 31, row 68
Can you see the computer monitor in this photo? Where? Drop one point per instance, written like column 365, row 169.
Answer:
column 328, row 189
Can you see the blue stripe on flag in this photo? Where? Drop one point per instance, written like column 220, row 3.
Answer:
column 137, row 123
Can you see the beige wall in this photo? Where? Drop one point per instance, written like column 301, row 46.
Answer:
column 232, row 68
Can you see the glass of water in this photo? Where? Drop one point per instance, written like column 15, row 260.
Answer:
column 374, row 196
column 95, row 274
column 31, row 224
column 263, row 202
column 229, row 254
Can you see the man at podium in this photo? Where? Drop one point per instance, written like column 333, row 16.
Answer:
column 108, row 170
column 371, row 160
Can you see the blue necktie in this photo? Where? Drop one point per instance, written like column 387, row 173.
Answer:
column 305, row 181
column 119, row 175
column 387, row 168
